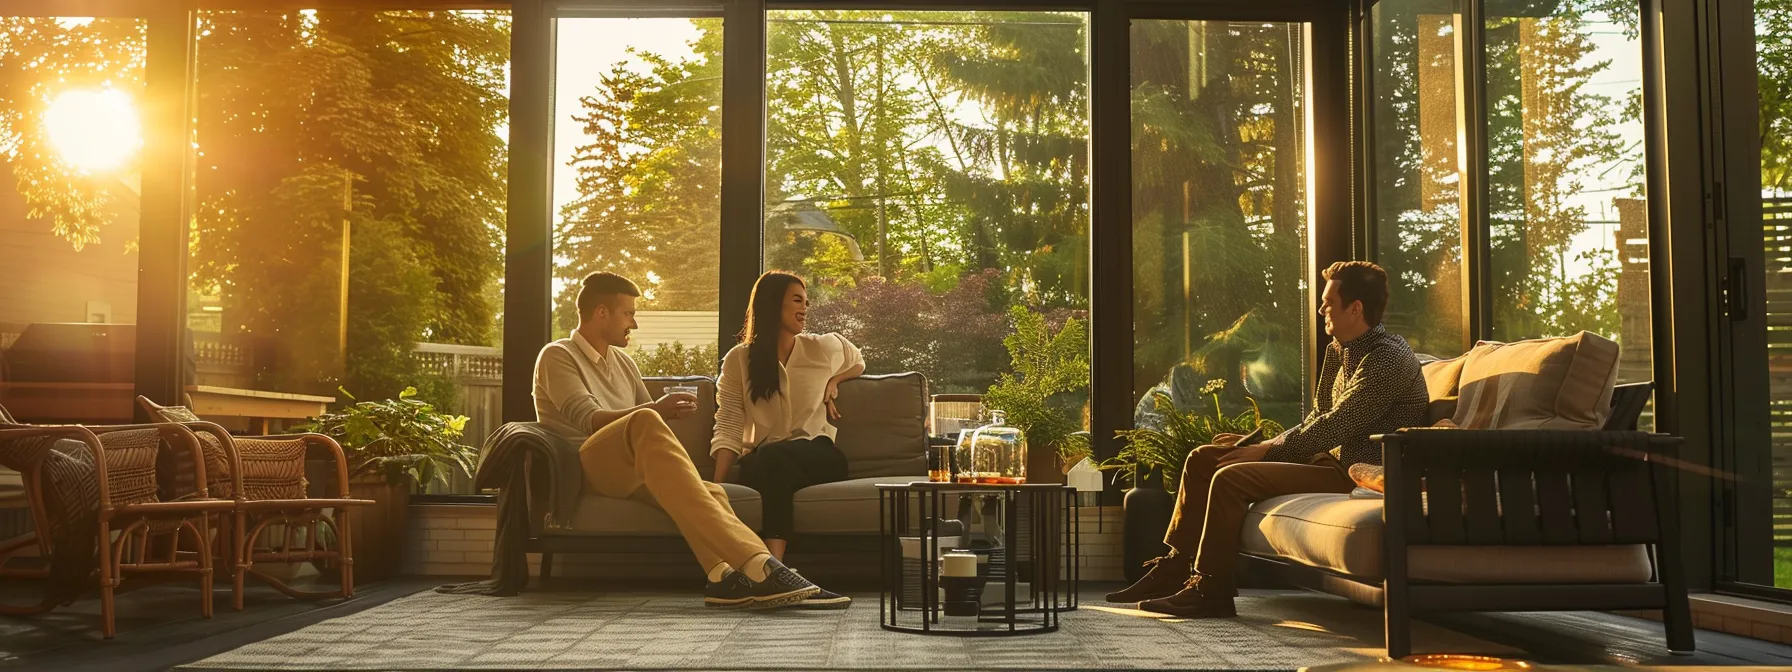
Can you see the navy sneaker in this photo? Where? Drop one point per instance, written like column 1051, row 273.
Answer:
column 732, row 592
column 782, row 587
column 825, row 599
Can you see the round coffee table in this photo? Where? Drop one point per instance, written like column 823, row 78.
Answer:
column 1026, row 544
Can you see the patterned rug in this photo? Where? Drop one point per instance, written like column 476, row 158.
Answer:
column 665, row 631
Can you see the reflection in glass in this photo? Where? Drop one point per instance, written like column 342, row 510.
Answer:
column 637, row 177
column 925, row 171
column 1219, row 228
column 1418, row 207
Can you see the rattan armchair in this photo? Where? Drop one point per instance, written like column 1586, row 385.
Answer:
column 264, row 476
column 111, row 473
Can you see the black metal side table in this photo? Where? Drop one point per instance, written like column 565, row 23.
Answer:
column 1036, row 543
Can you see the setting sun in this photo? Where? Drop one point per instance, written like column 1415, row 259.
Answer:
column 95, row 130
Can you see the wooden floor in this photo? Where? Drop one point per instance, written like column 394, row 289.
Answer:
column 160, row 627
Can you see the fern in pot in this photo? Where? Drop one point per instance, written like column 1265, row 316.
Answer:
column 1164, row 449
column 1159, row 452
column 392, row 445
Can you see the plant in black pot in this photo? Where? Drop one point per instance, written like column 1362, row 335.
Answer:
column 391, row 446
column 1152, row 461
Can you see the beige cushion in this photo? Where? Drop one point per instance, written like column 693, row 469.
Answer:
column 1442, row 380
column 1549, row 383
column 883, row 426
column 845, row 507
column 599, row 515
column 694, row 429
column 1343, row 534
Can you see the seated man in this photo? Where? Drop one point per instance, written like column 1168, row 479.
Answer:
column 1369, row 384
column 589, row 390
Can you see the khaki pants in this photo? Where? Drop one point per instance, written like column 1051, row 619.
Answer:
column 1211, row 502
column 637, row 457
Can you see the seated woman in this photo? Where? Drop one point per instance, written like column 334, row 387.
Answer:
column 774, row 404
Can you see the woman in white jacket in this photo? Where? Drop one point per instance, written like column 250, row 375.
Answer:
column 775, row 401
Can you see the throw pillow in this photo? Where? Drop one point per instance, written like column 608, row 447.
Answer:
column 175, row 414
column 1547, row 383
column 1370, row 476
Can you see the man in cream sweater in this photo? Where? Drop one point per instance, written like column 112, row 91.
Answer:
column 589, row 390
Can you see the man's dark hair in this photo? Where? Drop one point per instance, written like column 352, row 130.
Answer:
column 603, row 288
column 1361, row 281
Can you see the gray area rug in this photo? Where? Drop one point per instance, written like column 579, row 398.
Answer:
column 674, row 631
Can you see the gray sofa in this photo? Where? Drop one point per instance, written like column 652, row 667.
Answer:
column 883, row 433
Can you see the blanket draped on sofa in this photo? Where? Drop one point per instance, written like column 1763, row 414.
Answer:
column 530, row 466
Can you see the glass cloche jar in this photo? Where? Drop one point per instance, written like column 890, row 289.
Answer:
column 993, row 454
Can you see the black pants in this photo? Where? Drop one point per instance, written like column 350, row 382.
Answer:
column 778, row 470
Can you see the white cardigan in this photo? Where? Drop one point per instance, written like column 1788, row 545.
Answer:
column 797, row 411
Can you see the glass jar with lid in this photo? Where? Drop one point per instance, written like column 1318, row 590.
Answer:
column 992, row 454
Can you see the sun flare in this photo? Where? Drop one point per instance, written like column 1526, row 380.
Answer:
column 94, row 130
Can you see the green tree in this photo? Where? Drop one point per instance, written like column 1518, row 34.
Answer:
column 1547, row 133
column 42, row 57
column 396, row 110
column 649, row 206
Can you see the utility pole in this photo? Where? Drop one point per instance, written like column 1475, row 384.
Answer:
column 348, row 204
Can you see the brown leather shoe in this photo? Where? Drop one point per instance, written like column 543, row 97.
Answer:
column 1202, row 597
column 1168, row 574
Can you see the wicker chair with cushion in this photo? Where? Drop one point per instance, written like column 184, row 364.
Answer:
column 265, row 478
column 100, row 488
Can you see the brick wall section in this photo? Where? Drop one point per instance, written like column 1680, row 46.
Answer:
column 456, row 540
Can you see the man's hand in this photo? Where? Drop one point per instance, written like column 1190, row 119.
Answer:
column 1251, row 453
column 675, row 405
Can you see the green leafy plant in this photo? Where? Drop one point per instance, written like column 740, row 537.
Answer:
column 1166, row 448
column 1044, row 394
column 403, row 440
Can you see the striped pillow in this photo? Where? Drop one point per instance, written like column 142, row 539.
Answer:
column 1548, row 383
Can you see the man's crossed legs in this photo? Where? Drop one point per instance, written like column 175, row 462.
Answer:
column 638, row 457
column 1196, row 579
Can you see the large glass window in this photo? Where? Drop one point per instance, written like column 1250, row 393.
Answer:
column 70, row 94
column 1773, row 62
column 1569, row 229
column 1418, row 206
column 348, row 235
column 926, row 171
column 1219, row 206
column 637, row 178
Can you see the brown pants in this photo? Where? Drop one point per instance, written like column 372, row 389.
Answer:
column 1212, row 502
column 637, row 457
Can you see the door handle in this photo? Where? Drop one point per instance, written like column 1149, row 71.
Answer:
column 1739, row 299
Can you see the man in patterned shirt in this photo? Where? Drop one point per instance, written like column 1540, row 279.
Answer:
column 1369, row 384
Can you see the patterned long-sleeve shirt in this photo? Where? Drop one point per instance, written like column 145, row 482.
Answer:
column 1370, row 385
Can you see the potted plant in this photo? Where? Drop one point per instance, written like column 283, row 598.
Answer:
column 392, row 445
column 1044, row 394
column 1152, row 461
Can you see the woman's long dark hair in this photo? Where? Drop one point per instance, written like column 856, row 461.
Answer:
column 765, row 318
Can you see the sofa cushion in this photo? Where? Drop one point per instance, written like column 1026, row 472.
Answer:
column 1343, row 534
column 1442, row 380
column 1549, row 383
column 843, row 507
column 883, row 426
column 600, row 515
